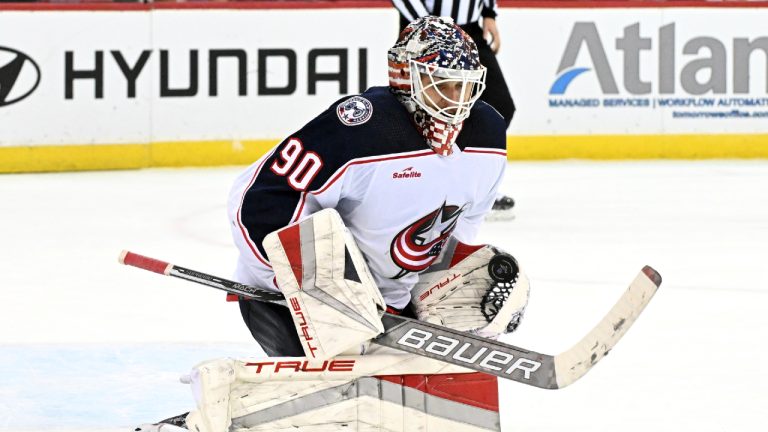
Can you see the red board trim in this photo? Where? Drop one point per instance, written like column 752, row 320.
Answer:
column 381, row 4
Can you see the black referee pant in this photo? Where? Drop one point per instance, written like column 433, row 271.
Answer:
column 496, row 92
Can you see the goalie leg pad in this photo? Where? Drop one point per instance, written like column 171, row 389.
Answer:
column 341, row 399
column 333, row 299
column 472, row 288
column 211, row 384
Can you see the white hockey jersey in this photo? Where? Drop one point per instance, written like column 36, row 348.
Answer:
column 400, row 200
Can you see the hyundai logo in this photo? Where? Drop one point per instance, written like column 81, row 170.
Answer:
column 19, row 76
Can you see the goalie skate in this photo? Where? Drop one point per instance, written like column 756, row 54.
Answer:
column 173, row 424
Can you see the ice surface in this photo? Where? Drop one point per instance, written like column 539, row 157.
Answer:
column 89, row 345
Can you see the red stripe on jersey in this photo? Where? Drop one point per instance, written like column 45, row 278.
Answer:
column 300, row 209
column 371, row 160
column 475, row 389
column 484, row 150
column 290, row 238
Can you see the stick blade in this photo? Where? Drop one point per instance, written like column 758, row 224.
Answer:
column 579, row 359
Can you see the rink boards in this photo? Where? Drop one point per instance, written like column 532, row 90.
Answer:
column 130, row 86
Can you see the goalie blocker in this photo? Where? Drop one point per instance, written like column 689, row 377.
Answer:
column 331, row 295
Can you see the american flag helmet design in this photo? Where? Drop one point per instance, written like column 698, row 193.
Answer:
column 435, row 71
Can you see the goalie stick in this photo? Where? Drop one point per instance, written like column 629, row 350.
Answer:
column 465, row 349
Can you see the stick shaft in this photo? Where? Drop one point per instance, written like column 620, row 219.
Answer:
column 164, row 268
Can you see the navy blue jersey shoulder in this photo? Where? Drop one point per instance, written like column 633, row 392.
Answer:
column 484, row 127
column 387, row 130
column 374, row 123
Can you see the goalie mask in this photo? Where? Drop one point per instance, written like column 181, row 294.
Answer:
column 435, row 71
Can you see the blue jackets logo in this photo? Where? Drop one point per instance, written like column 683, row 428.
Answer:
column 420, row 243
column 19, row 76
column 354, row 111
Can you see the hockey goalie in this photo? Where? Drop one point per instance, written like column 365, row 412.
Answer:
column 373, row 207
column 369, row 208
column 342, row 382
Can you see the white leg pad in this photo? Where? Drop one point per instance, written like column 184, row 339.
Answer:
column 389, row 392
column 211, row 385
